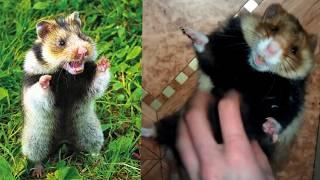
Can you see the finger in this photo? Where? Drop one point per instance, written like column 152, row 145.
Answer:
column 261, row 157
column 187, row 151
column 199, row 127
column 231, row 123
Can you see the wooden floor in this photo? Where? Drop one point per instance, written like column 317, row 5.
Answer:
column 170, row 72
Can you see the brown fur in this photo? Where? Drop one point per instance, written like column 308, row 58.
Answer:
column 68, row 29
column 284, row 28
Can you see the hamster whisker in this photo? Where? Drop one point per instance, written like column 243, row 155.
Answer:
column 240, row 45
column 58, row 79
column 253, row 32
column 291, row 64
column 225, row 35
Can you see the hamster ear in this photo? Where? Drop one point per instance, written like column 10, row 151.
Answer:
column 43, row 28
column 74, row 18
column 273, row 10
column 313, row 42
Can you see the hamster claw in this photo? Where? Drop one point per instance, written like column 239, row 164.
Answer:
column 45, row 81
column 188, row 32
column 38, row 171
column 198, row 38
column 103, row 64
column 272, row 128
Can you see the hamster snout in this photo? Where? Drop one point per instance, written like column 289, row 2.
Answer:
column 82, row 52
column 272, row 49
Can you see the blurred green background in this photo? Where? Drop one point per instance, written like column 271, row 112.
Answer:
column 116, row 28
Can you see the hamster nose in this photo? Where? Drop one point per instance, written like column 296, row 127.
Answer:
column 272, row 48
column 82, row 52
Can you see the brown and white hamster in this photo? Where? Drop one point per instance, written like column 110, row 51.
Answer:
column 267, row 59
column 60, row 85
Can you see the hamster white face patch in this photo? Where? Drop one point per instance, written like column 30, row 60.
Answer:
column 266, row 55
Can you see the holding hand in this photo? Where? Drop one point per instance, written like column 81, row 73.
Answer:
column 204, row 158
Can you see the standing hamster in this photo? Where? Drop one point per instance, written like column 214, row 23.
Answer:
column 61, row 82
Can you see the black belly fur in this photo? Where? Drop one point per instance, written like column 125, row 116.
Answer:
column 69, row 91
column 264, row 95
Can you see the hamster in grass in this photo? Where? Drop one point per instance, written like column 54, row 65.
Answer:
column 267, row 59
column 61, row 82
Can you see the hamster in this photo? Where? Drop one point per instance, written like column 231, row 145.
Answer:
column 267, row 59
column 61, row 83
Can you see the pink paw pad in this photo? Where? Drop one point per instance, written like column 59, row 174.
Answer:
column 45, row 81
column 272, row 128
column 103, row 64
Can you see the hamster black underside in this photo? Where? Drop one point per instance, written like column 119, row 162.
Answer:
column 68, row 92
column 225, row 61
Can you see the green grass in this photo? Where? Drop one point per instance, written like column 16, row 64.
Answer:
column 116, row 28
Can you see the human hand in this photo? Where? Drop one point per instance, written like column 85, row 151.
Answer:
column 204, row 158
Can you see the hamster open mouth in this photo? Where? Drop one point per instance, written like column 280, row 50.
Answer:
column 74, row 67
column 258, row 62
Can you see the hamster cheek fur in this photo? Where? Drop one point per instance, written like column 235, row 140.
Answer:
column 62, row 44
column 57, row 56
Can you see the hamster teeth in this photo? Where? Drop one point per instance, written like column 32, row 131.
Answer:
column 72, row 64
column 76, row 64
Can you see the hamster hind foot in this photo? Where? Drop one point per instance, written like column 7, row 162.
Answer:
column 38, row 171
column 272, row 128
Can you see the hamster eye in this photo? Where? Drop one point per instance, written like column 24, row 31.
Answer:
column 274, row 29
column 294, row 50
column 62, row 43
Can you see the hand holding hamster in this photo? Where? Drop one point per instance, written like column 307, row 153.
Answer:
column 203, row 157
column 267, row 59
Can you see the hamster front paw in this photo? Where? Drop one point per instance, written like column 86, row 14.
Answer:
column 272, row 128
column 45, row 81
column 102, row 77
column 198, row 38
column 103, row 64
